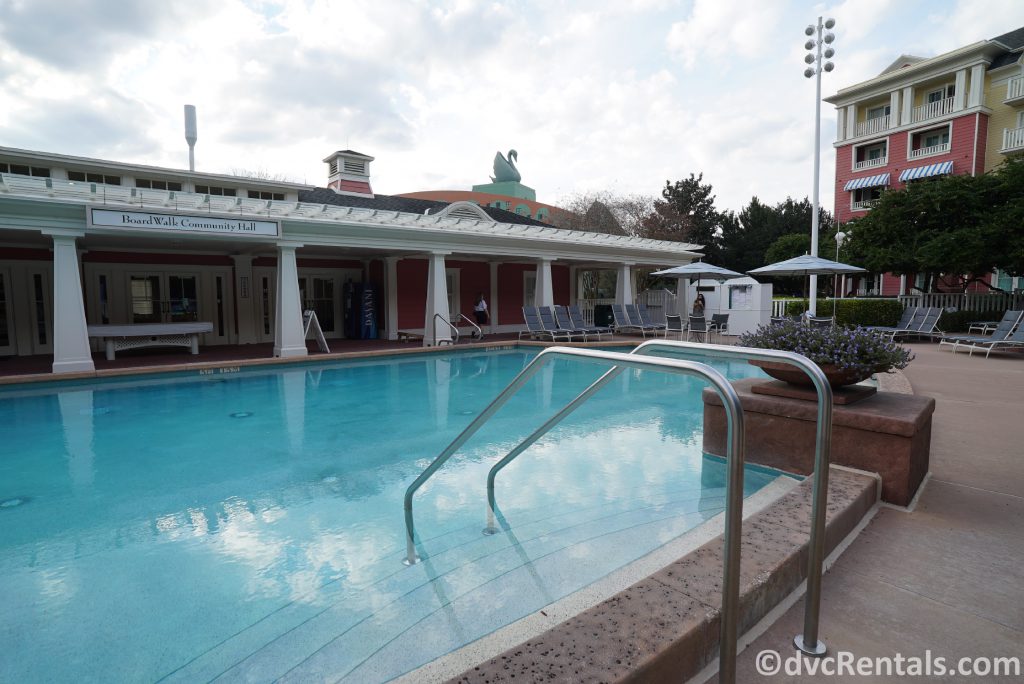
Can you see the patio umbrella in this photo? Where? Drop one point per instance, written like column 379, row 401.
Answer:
column 699, row 270
column 806, row 265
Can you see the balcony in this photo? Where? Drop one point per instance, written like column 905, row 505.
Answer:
column 932, row 110
column 863, row 205
column 871, row 163
column 1013, row 140
column 875, row 125
column 941, row 148
column 1015, row 91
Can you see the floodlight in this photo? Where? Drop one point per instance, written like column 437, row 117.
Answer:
column 809, row 45
column 829, row 66
column 809, row 31
column 808, row 72
column 829, row 37
column 809, row 59
column 829, row 23
column 829, row 52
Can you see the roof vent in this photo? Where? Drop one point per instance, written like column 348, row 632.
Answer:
column 348, row 173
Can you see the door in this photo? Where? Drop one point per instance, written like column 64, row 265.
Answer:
column 320, row 294
column 7, row 347
column 41, row 306
column 163, row 297
column 264, row 300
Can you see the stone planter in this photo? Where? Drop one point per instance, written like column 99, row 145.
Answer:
column 794, row 376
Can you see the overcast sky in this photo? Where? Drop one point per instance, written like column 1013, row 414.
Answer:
column 617, row 95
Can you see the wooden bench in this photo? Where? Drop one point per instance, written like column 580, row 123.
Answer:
column 118, row 337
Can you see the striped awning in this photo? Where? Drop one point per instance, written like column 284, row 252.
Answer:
column 867, row 182
column 926, row 171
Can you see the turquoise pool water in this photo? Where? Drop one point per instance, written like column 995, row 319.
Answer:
column 249, row 526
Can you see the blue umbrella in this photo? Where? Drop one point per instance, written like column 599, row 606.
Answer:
column 806, row 265
column 699, row 270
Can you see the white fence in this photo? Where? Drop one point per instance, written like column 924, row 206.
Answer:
column 587, row 308
column 659, row 303
column 1013, row 138
column 972, row 301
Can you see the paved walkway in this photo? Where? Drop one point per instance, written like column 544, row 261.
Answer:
column 948, row 576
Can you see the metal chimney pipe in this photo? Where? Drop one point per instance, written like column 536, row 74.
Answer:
column 191, row 135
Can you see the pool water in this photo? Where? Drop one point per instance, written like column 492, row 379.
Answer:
column 250, row 526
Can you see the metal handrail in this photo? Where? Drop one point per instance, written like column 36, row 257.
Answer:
column 449, row 324
column 479, row 332
column 734, row 460
column 822, row 457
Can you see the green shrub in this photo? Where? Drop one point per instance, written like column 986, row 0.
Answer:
column 853, row 311
column 959, row 321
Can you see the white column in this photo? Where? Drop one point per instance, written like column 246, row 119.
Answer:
column 76, row 413
column 908, row 105
column 977, row 87
column 624, row 284
column 851, row 121
column 682, row 300
column 840, row 124
column 289, row 337
column 71, row 351
column 391, row 296
column 960, row 90
column 903, row 284
column 492, row 305
column 245, row 298
column 894, row 109
column 544, row 293
column 437, row 302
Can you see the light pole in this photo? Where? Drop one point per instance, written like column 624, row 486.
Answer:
column 814, row 58
column 840, row 238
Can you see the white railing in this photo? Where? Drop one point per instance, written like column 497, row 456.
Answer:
column 941, row 148
column 879, row 123
column 932, row 110
column 971, row 301
column 658, row 303
column 1015, row 88
column 779, row 306
column 863, row 205
column 1013, row 139
column 587, row 307
column 871, row 163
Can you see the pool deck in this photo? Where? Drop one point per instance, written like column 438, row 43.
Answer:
column 19, row 369
column 948, row 574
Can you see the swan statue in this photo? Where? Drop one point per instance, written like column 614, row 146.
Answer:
column 504, row 169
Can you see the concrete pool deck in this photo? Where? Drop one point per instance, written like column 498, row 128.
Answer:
column 948, row 574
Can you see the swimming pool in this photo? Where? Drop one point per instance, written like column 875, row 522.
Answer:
column 249, row 525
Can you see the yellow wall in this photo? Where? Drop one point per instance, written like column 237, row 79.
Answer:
column 1003, row 115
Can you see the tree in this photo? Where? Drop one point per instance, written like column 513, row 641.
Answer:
column 261, row 174
column 960, row 226
column 746, row 237
column 686, row 213
column 603, row 212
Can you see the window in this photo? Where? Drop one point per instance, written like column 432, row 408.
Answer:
column 82, row 177
column 529, row 287
column 214, row 190
column 264, row 195
column 864, row 195
column 24, row 170
column 878, row 112
column 933, row 138
column 332, row 168
column 941, row 93
column 147, row 183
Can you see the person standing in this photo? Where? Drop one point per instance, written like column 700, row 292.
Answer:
column 480, row 311
column 698, row 305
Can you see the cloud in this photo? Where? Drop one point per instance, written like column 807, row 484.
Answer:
column 718, row 28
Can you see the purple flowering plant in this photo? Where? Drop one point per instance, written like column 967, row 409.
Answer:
column 853, row 349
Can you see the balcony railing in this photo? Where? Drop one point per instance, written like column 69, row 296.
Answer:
column 875, row 125
column 1015, row 89
column 1013, row 139
column 931, row 110
column 871, row 163
column 928, row 151
column 863, row 205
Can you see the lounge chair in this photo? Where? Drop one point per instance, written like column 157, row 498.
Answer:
column 698, row 326
column 927, row 328
column 564, row 321
column 535, row 327
column 1004, row 329
column 778, row 320
column 644, row 316
column 674, row 326
column 547, row 319
column 1013, row 340
column 633, row 314
column 906, row 319
column 623, row 323
column 576, row 317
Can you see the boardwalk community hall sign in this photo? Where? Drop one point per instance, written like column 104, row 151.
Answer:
column 136, row 220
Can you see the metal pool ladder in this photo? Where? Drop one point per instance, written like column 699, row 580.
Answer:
column 735, row 453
